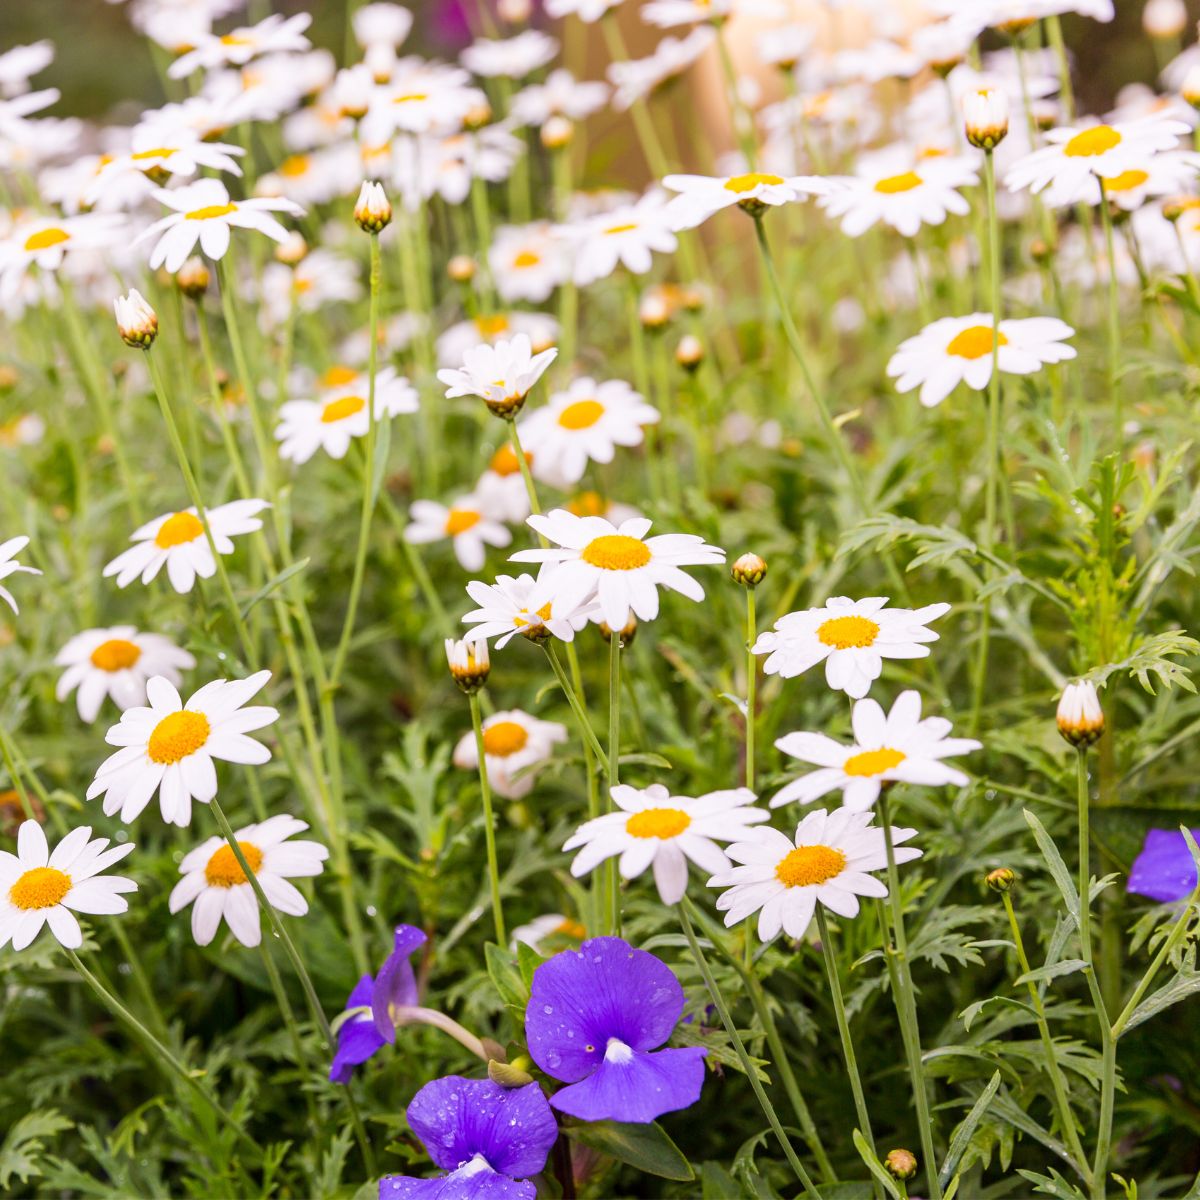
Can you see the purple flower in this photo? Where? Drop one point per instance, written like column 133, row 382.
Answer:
column 396, row 985
column 594, row 1016
column 488, row 1137
column 1164, row 870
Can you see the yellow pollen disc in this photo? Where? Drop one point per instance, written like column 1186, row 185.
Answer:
column 294, row 166
column 504, row 738
column 873, row 762
column 1097, row 140
column 1126, row 181
column 504, row 461
column 410, row 98
column 157, row 152
column 588, row 504
column 301, row 286
column 747, row 183
column 460, row 520
column 807, row 866
column 620, row 228
column 570, row 928
column 524, row 617
column 178, row 529
column 232, row 39
column 116, row 655
column 338, row 377
column 224, row 870
column 616, row 552
column 492, row 326
column 43, row 887
column 527, row 258
column 45, row 238
column 974, row 342
column 848, row 633
column 657, row 823
column 10, row 800
column 177, row 735
column 899, row 183
column 339, row 410
column 209, row 211
column 583, row 414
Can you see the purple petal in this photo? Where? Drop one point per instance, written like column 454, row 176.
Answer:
column 396, row 985
column 1164, row 870
column 457, row 1118
column 605, row 989
column 358, row 1039
column 459, row 1185
column 639, row 1090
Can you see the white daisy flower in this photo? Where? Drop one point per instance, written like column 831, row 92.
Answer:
column 586, row 423
column 216, row 886
column 559, row 95
column 702, row 195
column 177, row 540
column 852, row 638
column 898, row 747
column 170, row 149
column 9, row 566
column 513, row 741
column 527, row 262
column 588, row 11
column 464, row 523
column 272, row 35
column 203, row 212
column 521, row 605
column 45, row 242
column 828, row 861
column 39, row 888
column 1167, row 174
column 618, row 565
column 956, row 350
column 169, row 747
column 637, row 78
column 667, row 14
column 502, row 374
column 623, row 236
column 501, row 488
column 655, row 828
column 490, row 329
column 552, row 928
column 116, row 663
column 20, row 64
column 509, row 58
column 421, row 97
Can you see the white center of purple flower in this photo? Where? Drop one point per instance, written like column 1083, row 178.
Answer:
column 474, row 1166
column 617, row 1052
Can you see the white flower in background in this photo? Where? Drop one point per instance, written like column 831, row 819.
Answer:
column 320, row 278
column 623, row 236
column 178, row 542
column 45, row 242
column 275, row 34
column 340, row 416
column 588, row 11
column 170, row 149
column 421, row 97
column 618, row 565
column 785, row 45
column 464, row 523
column 702, row 195
column 513, row 742
column 380, row 29
column 828, row 862
column 1173, row 172
column 501, row 488
column 204, row 213
column 116, row 663
column 216, row 886
column 39, row 888
column 502, row 375
column 896, row 747
column 552, row 928
column 666, row 14
column 509, row 58
column 957, row 350
column 527, row 262
column 1066, row 169
column 584, row 424
column 521, row 605
column 28, row 429
column 489, row 329
column 9, row 566
column 559, row 95
column 635, row 79
column 652, row 827
column 169, row 747
column 1165, row 18
column 852, row 638
column 20, row 64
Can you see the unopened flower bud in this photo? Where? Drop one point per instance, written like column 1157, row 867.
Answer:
column 1173, row 207
column 514, row 12
column 557, row 132
column 1080, row 717
column 461, row 268
column 509, row 1075
column 749, row 570
column 901, row 1164
column 477, row 116
column 293, row 250
column 372, row 210
column 626, row 635
column 985, row 115
column 653, row 311
column 690, row 352
column 9, row 378
column 137, row 322
column 192, row 278
column 1040, row 250
column 1190, row 89
column 1001, row 879
column 1164, row 19
column 469, row 664
column 1046, row 114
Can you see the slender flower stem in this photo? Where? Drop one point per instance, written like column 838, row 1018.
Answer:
column 1114, row 317
column 748, row 1067
column 585, row 726
column 643, row 123
column 489, row 822
column 1085, row 873
column 739, row 118
column 751, row 685
column 613, row 907
column 289, row 1019
column 514, row 439
column 414, row 1014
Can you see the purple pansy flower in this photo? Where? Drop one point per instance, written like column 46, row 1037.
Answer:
column 396, row 985
column 595, row 1015
column 1164, row 870
column 490, row 1138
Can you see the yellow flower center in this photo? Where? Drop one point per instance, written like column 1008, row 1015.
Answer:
column 504, row 461
column 621, row 228
column 807, row 866
column 177, row 735
column 974, row 342
column 848, row 633
column 410, row 98
column 43, row 887
column 459, row 520
column 1097, row 140
column 661, row 823
column 1127, row 181
column 116, row 655
column 294, row 166
column 339, row 410
column 583, row 414
column 157, row 152
column 873, row 762
column 899, row 183
column 491, row 326
column 747, row 183
column 209, row 211
column 338, row 377
column 525, row 617
column 224, row 870
column 588, row 504
column 570, row 928
column 178, row 529
column 503, row 738
column 233, row 39
column 616, row 552
column 45, row 238
column 527, row 258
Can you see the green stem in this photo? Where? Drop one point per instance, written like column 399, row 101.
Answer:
column 289, row 1019
column 1114, row 317
column 614, row 763
column 585, row 726
column 489, row 822
column 739, row 118
column 751, row 685
column 1085, row 873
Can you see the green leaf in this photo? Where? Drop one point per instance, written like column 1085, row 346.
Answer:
column 528, row 961
column 868, row 1156
column 506, row 977
column 271, row 584
column 973, row 1010
column 1067, row 966
column 1185, row 984
column 964, row 1133
column 646, row 1147
column 1058, row 868
column 1154, row 656
column 23, row 1148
